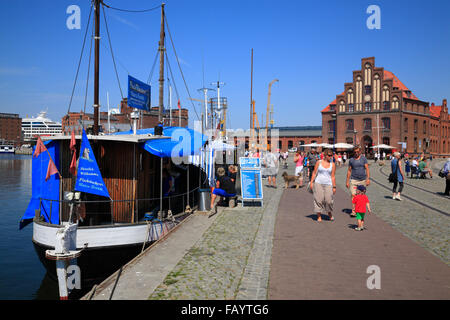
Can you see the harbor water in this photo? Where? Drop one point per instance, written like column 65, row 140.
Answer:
column 22, row 276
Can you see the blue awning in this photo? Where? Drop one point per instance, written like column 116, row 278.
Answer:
column 182, row 142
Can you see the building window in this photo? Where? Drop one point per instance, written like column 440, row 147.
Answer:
column 386, row 122
column 367, row 107
column 300, row 144
column 367, row 124
column 386, row 140
column 331, row 126
column 351, row 107
column 424, row 127
column 349, row 140
column 349, row 124
column 290, row 144
column 367, row 89
column 416, row 124
column 405, row 125
column 386, row 105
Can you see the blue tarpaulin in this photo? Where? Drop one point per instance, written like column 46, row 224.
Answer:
column 45, row 190
column 182, row 142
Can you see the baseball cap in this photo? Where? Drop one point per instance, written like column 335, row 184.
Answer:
column 361, row 188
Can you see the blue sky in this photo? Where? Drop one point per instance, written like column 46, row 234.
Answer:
column 312, row 47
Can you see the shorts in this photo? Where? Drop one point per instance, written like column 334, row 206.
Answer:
column 299, row 171
column 223, row 193
column 354, row 184
column 360, row 215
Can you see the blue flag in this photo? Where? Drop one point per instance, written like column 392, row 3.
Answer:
column 89, row 178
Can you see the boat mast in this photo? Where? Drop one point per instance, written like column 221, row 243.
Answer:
column 161, row 66
column 97, row 65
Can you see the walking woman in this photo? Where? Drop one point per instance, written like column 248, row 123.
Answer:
column 323, row 184
column 397, row 171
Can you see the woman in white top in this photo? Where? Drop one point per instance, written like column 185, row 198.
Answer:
column 323, row 184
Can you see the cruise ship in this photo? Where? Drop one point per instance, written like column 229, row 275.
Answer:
column 39, row 126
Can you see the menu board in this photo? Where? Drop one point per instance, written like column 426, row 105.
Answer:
column 251, row 179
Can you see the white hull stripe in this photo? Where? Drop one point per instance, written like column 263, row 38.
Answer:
column 102, row 237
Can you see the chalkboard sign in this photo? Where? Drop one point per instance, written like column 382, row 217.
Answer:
column 251, row 179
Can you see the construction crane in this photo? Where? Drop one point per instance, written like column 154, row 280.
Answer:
column 268, row 113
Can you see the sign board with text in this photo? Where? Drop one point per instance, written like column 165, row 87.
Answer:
column 251, row 179
column 138, row 94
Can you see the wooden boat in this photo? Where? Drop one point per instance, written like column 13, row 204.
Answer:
column 110, row 231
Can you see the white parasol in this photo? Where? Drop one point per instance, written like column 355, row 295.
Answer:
column 343, row 146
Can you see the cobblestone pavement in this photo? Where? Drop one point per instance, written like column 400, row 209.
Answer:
column 231, row 260
column 427, row 227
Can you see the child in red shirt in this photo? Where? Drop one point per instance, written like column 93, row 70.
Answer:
column 360, row 201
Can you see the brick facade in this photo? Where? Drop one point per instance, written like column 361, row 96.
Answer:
column 377, row 108
column 122, row 121
column 10, row 128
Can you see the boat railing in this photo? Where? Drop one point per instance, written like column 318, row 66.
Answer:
column 168, row 200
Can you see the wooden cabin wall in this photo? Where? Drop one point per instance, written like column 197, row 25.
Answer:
column 116, row 161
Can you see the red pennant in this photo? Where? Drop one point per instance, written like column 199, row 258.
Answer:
column 73, row 164
column 179, row 105
column 73, row 142
column 40, row 147
column 51, row 170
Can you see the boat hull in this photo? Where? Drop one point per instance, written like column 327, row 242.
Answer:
column 104, row 248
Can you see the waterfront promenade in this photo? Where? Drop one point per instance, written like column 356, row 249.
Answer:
column 280, row 251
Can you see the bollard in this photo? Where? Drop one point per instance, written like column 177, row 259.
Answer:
column 65, row 250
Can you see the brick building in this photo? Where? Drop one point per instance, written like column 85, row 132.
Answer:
column 377, row 108
column 10, row 129
column 288, row 137
column 296, row 136
column 122, row 121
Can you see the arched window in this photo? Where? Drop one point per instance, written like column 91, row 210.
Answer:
column 358, row 93
column 386, row 93
column 376, row 91
column 350, row 96
column 342, row 106
column 367, row 75
column 395, row 102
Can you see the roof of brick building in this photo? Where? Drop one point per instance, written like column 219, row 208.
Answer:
column 396, row 83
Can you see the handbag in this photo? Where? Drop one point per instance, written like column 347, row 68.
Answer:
column 442, row 174
column 393, row 176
